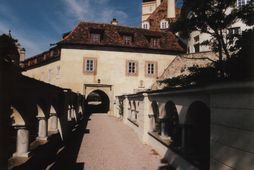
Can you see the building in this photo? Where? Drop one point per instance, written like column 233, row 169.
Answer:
column 157, row 15
column 196, row 38
column 107, row 59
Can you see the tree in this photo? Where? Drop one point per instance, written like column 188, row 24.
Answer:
column 213, row 17
column 238, row 67
column 8, row 49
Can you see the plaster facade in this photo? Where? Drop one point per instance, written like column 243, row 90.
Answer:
column 111, row 69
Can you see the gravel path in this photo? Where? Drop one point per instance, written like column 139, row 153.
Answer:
column 111, row 145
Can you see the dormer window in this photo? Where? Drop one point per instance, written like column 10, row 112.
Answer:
column 95, row 37
column 146, row 25
column 234, row 31
column 154, row 42
column 164, row 24
column 127, row 39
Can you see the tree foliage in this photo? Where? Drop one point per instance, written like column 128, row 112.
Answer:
column 239, row 67
column 214, row 17
column 8, row 49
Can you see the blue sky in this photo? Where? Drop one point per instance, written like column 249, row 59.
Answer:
column 38, row 23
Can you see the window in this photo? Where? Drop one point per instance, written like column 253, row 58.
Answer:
column 154, row 42
column 241, row 3
column 164, row 24
column 127, row 39
column 151, row 69
column 146, row 25
column 90, row 65
column 132, row 67
column 234, row 31
column 95, row 37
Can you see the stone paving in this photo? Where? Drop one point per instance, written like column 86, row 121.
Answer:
column 111, row 145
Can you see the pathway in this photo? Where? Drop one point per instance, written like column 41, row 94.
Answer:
column 111, row 145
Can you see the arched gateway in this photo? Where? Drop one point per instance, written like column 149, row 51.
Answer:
column 98, row 102
column 99, row 98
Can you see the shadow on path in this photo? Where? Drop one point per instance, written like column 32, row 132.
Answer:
column 56, row 155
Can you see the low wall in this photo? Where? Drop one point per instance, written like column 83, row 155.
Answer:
column 228, row 109
column 31, row 111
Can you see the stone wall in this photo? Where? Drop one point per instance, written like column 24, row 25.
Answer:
column 179, row 66
column 230, row 108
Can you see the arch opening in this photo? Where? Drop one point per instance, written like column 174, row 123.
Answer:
column 98, row 102
column 197, row 134
column 156, row 114
column 172, row 128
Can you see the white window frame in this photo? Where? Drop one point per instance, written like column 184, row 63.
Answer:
column 90, row 65
column 146, row 25
column 241, row 3
column 164, row 24
column 132, row 68
column 127, row 39
column 151, row 68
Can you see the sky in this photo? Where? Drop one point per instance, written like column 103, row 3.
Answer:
column 38, row 23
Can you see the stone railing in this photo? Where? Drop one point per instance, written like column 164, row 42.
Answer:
column 31, row 112
column 194, row 127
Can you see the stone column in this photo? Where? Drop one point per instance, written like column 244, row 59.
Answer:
column 146, row 118
column 125, row 109
column 69, row 113
column 73, row 113
column 163, row 124
column 43, row 130
column 22, row 148
column 53, row 123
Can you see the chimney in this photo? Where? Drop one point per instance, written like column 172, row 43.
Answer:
column 158, row 2
column 114, row 21
column 171, row 9
column 22, row 54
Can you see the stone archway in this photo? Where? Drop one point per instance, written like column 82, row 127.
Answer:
column 98, row 102
column 103, row 90
column 197, row 134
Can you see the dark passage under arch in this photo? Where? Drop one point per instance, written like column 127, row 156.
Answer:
column 98, row 102
column 197, row 135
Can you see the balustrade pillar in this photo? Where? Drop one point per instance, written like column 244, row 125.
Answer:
column 69, row 113
column 73, row 114
column 125, row 109
column 163, row 128
column 43, row 130
column 146, row 118
column 22, row 145
column 53, row 123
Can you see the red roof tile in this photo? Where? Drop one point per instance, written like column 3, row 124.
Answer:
column 112, row 35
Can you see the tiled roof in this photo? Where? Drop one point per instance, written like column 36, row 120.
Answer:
column 112, row 36
column 161, row 13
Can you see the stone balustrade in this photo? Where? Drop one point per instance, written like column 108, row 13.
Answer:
column 32, row 112
column 193, row 128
